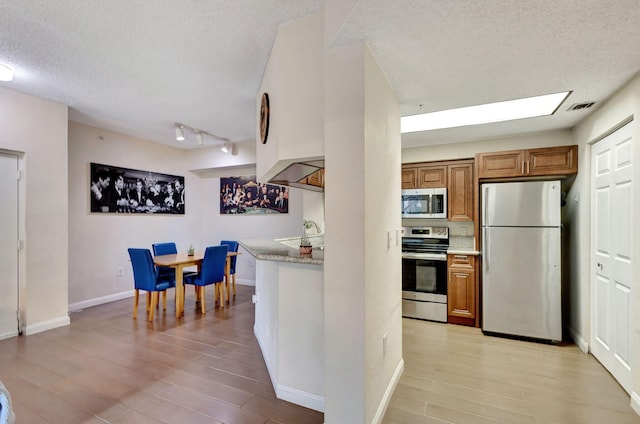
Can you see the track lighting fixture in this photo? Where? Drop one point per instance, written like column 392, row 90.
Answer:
column 6, row 73
column 179, row 132
column 200, row 136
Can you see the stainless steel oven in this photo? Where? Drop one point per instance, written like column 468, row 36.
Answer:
column 424, row 272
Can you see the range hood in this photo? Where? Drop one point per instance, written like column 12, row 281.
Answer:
column 307, row 175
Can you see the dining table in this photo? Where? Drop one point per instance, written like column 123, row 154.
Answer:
column 179, row 261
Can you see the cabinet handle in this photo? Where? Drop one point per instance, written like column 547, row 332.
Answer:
column 522, row 172
column 461, row 256
column 528, row 170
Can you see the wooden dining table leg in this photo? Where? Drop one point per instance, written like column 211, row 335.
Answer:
column 179, row 292
column 227, row 277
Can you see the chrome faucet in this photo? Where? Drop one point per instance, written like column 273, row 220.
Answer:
column 308, row 224
column 304, row 240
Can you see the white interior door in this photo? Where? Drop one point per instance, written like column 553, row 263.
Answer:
column 611, row 261
column 9, row 245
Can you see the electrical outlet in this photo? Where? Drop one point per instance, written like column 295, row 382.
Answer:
column 463, row 231
column 119, row 272
column 250, row 263
column 389, row 239
column 384, row 345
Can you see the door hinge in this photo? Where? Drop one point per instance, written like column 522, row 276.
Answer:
column 20, row 245
column 19, row 174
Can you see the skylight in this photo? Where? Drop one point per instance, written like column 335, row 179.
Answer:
column 508, row 110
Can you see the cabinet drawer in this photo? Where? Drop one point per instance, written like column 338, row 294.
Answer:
column 461, row 261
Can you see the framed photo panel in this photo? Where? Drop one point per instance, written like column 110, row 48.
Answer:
column 123, row 190
column 242, row 195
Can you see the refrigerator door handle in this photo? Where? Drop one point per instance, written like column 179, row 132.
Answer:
column 485, row 255
column 485, row 202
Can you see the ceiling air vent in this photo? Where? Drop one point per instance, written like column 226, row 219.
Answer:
column 581, row 106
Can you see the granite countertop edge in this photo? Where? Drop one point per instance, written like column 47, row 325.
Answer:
column 271, row 250
column 462, row 251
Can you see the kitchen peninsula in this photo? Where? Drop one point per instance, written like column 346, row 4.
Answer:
column 289, row 318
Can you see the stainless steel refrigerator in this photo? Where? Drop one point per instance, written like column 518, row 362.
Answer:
column 521, row 283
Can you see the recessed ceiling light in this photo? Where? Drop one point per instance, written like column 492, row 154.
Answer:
column 528, row 107
column 6, row 73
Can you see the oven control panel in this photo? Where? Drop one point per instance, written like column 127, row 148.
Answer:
column 426, row 232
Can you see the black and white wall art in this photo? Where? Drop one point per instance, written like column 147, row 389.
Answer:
column 123, row 190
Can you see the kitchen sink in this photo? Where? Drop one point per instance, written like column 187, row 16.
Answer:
column 317, row 242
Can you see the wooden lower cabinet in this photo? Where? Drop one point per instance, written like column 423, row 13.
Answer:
column 462, row 290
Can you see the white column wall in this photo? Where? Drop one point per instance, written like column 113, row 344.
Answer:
column 362, row 275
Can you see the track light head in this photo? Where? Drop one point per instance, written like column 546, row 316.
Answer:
column 199, row 139
column 179, row 132
column 226, row 147
column 6, row 73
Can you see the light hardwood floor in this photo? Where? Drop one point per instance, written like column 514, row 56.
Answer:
column 108, row 368
column 455, row 374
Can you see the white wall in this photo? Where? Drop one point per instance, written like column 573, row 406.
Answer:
column 37, row 129
column 293, row 79
column 621, row 106
column 99, row 242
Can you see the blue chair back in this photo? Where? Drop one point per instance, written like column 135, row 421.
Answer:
column 164, row 248
column 145, row 274
column 233, row 247
column 213, row 264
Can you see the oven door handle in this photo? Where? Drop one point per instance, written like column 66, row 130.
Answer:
column 424, row 256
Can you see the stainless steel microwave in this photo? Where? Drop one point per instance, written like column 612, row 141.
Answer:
column 424, row 203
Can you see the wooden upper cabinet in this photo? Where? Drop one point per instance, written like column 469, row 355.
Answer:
column 501, row 164
column 424, row 176
column 317, row 178
column 552, row 161
column 409, row 177
column 528, row 163
column 432, row 176
column 460, row 193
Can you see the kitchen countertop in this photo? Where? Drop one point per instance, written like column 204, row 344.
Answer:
column 271, row 250
column 462, row 251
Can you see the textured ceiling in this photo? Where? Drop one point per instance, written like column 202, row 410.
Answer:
column 136, row 67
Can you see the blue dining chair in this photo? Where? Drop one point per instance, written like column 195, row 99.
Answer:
column 233, row 247
column 165, row 249
column 211, row 272
column 146, row 276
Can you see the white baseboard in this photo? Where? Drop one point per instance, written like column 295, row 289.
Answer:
column 78, row 306
column 306, row 399
column 579, row 341
column 635, row 402
column 386, row 398
column 299, row 397
column 47, row 325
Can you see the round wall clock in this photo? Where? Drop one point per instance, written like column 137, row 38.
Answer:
column 264, row 118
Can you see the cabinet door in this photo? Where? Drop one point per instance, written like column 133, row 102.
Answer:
column 317, row 178
column 501, row 164
column 461, row 290
column 432, row 176
column 409, row 177
column 460, row 193
column 552, row 161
